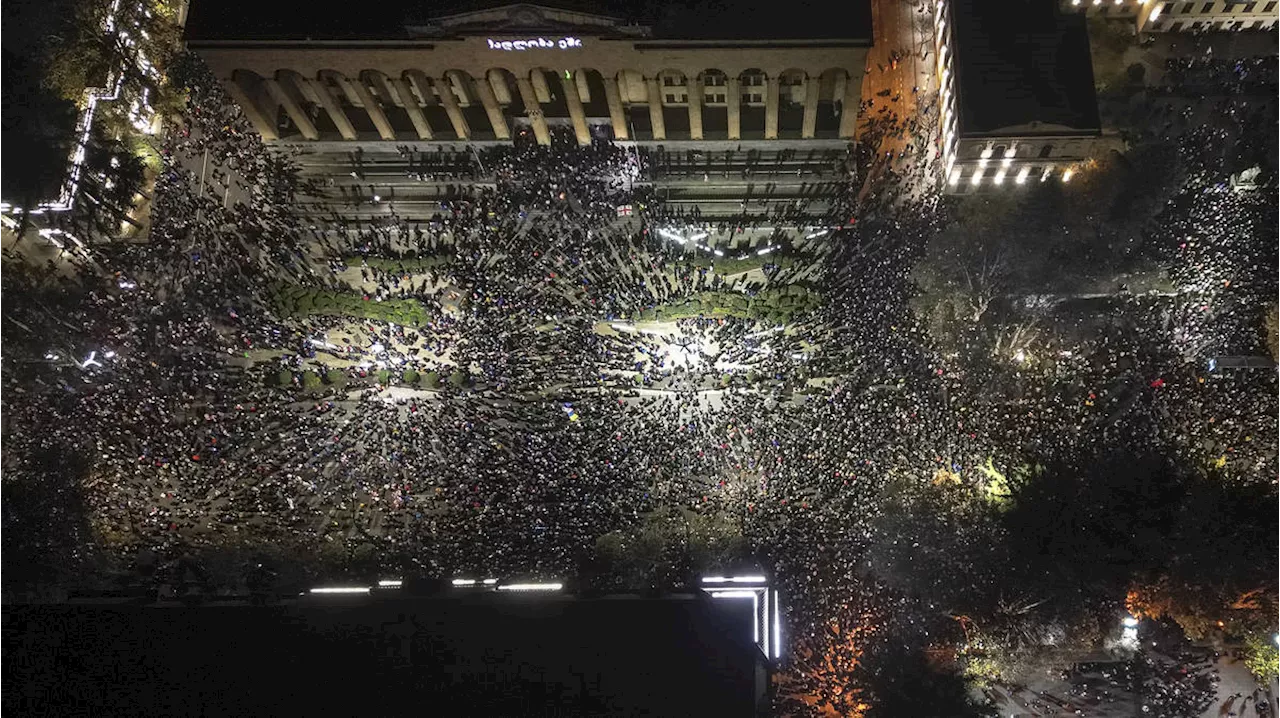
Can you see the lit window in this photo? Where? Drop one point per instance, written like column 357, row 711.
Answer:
column 1066, row 175
column 977, row 177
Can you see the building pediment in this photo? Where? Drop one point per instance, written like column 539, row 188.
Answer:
column 521, row 18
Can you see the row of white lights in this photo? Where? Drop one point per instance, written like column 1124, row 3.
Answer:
column 766, row 626
column 957, row 174
column 1156, row 9
column 945, row 115
column 1118, row 2
column 389, row 583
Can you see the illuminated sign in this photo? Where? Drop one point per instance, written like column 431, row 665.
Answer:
column 537, row 43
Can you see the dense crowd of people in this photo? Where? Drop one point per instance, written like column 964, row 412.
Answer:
column 578, row 420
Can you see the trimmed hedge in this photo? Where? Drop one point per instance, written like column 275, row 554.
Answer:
column 410, row 376
column 311, row 381
column 723, row 265
column 431, row 380
column 780, row 304
column 296, row 301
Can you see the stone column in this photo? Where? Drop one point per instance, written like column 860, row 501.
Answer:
column 771, row 107
column 491, row 107
column 339, row 116
column 444, row 87
column 262, row 121
column 811, row 88
column 694, row 97
column 371, row 106
column 534, row 110
column 575, row 110
column 420, row 124
column 655, row 108
column 849, row 107
column 296, row 113
column 616, row 114
column 733, row 98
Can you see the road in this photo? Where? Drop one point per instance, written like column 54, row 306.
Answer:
column 905, row 28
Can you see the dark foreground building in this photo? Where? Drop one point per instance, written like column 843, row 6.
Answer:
column 475, row 655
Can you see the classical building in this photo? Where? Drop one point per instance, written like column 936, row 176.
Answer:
column 1183, row 15
column 1017, row 97
column 746, row 111
column 476, row 76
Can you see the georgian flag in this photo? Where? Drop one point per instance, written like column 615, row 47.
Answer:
column 624, row 210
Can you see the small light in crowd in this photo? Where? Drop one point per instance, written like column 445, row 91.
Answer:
column 390, row 583
column 531, row 587
column 766, row 250
column 490, row 581
column 1020, row 356
column 699, row 237
column 342, row 589
column 109, row 355
column 464, row 582
column 1066, row 175
column 718, row 253
column 1130, row 622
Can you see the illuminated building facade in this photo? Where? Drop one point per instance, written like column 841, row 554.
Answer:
column 1184, row 15
column 1017, row 97
column 720, row 102
column 478, row 76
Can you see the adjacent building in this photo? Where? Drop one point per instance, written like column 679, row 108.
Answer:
column 1016, row 92
column 1183, row 15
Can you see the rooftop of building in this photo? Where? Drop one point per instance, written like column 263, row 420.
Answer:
column 479, row 654
column 226, row 20
column 1019, row 62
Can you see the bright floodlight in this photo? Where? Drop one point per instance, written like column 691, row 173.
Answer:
column 390, row 583
column 490, row 581
column 735, row 593
column 1130, row 622
column 464, row 582
column 531, row 587
column 341, row 589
